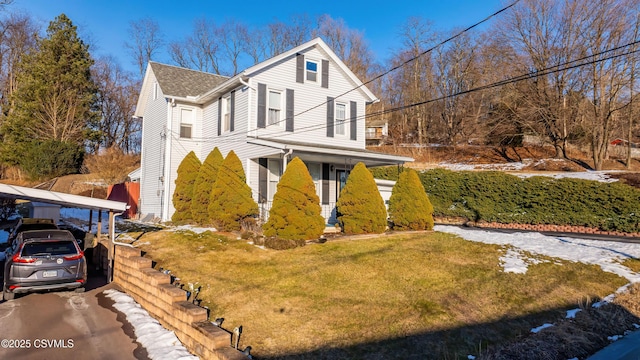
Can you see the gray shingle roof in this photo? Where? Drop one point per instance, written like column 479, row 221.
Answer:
column 181, row 82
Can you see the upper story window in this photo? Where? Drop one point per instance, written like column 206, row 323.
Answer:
column 186, row 123
column 311, row 70
column 341, row 116
column 226, row 113
column 275, row 107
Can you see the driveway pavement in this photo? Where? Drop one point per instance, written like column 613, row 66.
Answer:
column 66, row 325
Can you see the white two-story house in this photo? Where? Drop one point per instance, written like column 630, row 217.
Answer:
column 304, row 102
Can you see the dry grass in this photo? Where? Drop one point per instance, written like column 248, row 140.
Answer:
column 428, row 295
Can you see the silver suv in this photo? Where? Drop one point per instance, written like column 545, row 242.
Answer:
column 40, row 260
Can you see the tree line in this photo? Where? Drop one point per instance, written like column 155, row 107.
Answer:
column 563, row 72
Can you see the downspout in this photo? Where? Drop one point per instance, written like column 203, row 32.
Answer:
column 285, row 161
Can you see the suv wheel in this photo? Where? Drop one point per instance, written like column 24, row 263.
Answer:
column 7, row 295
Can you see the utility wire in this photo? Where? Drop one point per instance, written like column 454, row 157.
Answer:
column 572, row 64
column 417, row 56
column 406, row 62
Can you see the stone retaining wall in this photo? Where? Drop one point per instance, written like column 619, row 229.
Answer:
column 167, row 304
column 532, row 227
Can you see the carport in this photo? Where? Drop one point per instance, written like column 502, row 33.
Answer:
column 69, row 200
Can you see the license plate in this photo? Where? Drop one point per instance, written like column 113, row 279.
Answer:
column 51, row 273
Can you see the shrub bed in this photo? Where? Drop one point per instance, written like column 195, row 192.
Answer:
column 495, row 196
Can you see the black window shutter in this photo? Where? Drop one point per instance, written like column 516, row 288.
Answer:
column 262, row 105
column 354, row 120
column 325, row 74
column 233, row 110
column 263, row 173
column 330, row 115
column 300, row 68
column 325, row 184
column 219, row 116
column 289, row 110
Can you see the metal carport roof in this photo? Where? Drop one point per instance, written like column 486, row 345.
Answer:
column 58, row 198
column 70, row 200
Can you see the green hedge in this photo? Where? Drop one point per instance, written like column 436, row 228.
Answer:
column 497, row 196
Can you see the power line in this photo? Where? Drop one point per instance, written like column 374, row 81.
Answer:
column 406, row 62
column 417, row 56
column 530, row 75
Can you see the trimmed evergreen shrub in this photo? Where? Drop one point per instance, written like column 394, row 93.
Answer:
column 295, row 213
column 361, row 209
column 409, row 205
column 231, row 202
column 203, row 185
column 182, row 195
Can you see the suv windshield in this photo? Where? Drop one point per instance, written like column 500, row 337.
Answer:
column 49, row 247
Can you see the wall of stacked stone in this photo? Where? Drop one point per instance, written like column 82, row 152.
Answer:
column 533, row 227
column 166, row 303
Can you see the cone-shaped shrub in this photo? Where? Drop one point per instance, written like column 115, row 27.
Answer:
column 231, row 202
column 409, row 205
column 203, row 185
column 182, row 195
column 295, row 213
column 361, row 209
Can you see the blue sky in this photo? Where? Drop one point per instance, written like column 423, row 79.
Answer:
column 104, row 23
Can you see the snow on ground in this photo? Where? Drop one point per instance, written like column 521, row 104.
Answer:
column 194, row 229
column 521, row 246
column 159, row 342
column 602, row 176
column 606, row 254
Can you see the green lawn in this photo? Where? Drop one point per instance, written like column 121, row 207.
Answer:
column 429, row 295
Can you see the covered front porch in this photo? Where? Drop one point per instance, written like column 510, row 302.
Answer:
column 328, row 166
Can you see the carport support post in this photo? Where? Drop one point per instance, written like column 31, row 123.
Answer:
column 112, row 245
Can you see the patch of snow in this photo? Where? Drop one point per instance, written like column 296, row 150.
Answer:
column 571, row 314
column 600, row 176
column 512, row 166
column 194, row 229
column 471, row 357
column 159, row 342
column 541, row 327
column 614, row 338
column 606, row 254
column 4, row 236
column 636, row 326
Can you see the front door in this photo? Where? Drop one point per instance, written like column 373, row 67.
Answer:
column 341, row 176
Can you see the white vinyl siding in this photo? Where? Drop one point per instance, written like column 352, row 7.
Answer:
column 151, row 159
column 309, row 105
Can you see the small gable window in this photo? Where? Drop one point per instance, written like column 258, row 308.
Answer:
column 312, row 70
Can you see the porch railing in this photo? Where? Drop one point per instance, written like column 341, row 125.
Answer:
column 328, row 211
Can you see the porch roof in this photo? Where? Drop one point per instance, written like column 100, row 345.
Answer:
column 328, row 154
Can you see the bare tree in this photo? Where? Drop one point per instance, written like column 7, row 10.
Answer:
column 145, row 41
column 282, row 36
column 200, row 50
column 117, row 96
column 18, row 34
column 455, row 70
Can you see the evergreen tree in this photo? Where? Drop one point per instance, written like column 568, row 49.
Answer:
column 231, row 202
column 295, row 214
column 55, row 95
column 203, row 186
column 182, row 195
column 361, row 209
column 409, row 205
